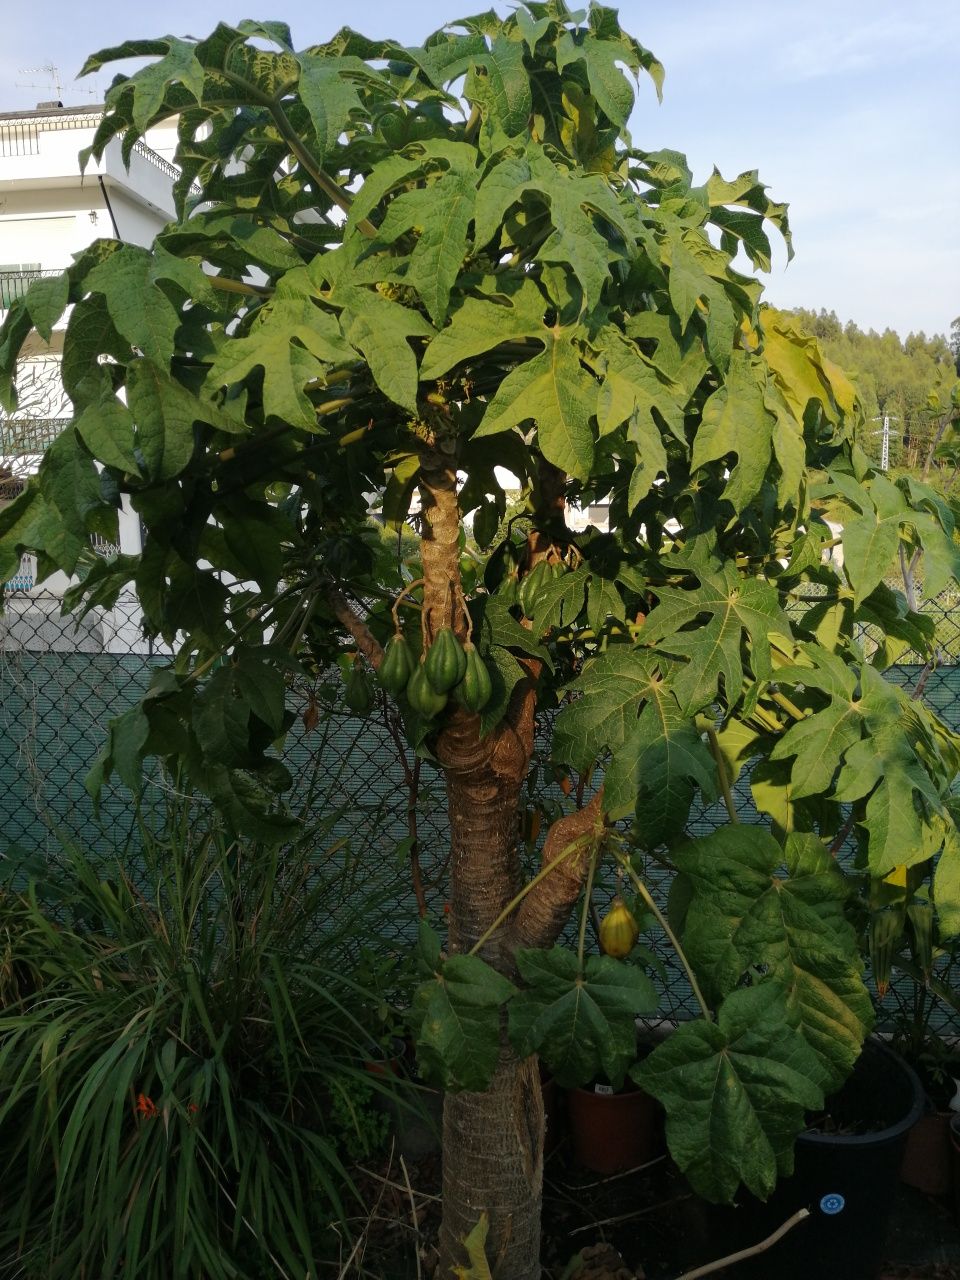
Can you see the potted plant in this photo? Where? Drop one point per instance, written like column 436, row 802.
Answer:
column 846, row 1174
column 904, row 947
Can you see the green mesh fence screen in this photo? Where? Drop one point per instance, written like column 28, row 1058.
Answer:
column 61, row 683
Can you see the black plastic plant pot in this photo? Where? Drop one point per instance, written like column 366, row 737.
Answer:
column 847, row 1179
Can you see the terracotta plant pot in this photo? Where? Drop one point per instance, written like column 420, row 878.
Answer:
column 927, row 1162
column 614, row 1131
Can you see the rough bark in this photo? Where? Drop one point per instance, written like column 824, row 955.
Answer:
column 544, row 911
column 492, row 1141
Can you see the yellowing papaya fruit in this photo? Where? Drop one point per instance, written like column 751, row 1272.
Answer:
column 446, row 663
column 422, row 696
column 618, row 930
column 397, row 666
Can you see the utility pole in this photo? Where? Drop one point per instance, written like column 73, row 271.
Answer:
column 885, row 435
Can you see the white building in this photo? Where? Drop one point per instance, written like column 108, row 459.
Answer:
column 49, row 211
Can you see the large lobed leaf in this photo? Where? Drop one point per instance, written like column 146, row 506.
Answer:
column 753, row 903
column 658, row 758
column 735, row 1092
column 582, row 1023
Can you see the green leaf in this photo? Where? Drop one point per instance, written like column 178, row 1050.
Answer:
column 603, row 602
column 458, row 1010
column 581, row 1025
column 946, row 886
column 869, row 550
column 248, row 805
column 256, row 542
column 560, row 602
column 107, row 431
column 736, row 420
column 69, row 482
column 735, row 1092
column 688, row 281
column 744, row 911
column 441, row 214
column 552, row 390
column 736, row 608
column 632, row 388
column 128, row 735
column 658, row 757
column 376, row 326
column 503, row 93
column 140, row 310
column 292, row 342
column 329, row 96
column 819, row 741
column 262, row 687
column 887, row 765
column 478, row 325
column 164, row 412
column 46, row 301
column 221, row 720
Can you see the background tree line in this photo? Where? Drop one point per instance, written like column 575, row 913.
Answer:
column 908, row 379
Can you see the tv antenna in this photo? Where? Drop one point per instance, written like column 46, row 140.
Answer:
column 52, row 81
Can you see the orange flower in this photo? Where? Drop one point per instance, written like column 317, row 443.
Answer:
column 145, row 1107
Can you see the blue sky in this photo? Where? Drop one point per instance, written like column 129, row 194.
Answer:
column 850, row 110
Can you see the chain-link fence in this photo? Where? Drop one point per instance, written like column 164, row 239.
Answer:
column 63, row 679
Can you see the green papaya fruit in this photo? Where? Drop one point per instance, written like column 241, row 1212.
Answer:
column 397, row 666
column 358, row 695
column 445, row 662
column 421, row 695
column 475, row 689
column 920, row 915
column 885, row 932
column 530, row 587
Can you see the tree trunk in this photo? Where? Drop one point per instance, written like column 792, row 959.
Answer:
column 493, row 1164
column 492, row 1141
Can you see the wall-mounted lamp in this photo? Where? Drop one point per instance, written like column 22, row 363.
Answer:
column 94, row 216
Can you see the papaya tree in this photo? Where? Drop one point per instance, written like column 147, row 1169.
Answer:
column 397, row 275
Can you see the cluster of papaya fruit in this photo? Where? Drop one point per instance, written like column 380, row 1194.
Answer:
column 526, row 591
column 448, row 668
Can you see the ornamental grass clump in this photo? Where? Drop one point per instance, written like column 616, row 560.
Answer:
column 182, row 1074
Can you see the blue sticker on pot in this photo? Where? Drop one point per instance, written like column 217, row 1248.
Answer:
column 833, row 1203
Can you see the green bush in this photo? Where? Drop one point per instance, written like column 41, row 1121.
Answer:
column 181, row 1078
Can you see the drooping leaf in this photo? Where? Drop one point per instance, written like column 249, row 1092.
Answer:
column 551, row 390
column 755, row 903
column 582, row 1025
column 440, row 214
column 140, row 310
column 736, row 421
column 735, row 1092
column 458, row 1012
